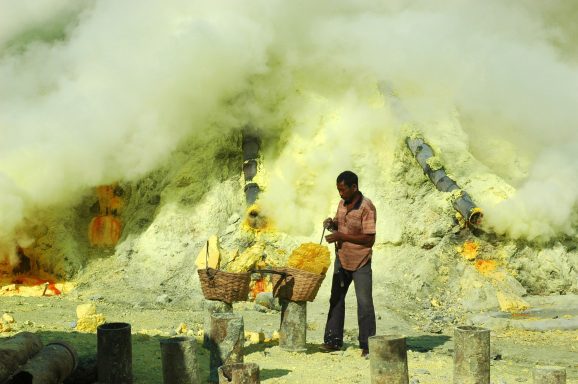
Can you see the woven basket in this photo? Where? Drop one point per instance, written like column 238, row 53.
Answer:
column 224, row 286
column 296, row 285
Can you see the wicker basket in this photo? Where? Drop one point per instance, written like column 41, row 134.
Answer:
column 296, row 284
column 224, row 286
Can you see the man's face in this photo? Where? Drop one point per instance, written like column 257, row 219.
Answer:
column 346, row 192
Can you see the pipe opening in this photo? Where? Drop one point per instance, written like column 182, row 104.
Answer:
column 22, row 378
column 114, row 327
column 476, row 218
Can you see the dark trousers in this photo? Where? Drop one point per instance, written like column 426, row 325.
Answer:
column 362, row 279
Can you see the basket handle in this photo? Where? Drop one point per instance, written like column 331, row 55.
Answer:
column 209, row 275
column 283, row 274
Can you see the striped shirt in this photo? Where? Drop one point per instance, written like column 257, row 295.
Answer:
column 359, row 220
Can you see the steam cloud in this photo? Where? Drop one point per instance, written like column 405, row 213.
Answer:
column 97, row 91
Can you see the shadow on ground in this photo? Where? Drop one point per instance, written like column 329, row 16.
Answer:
column 146, row 357
column 425, row 343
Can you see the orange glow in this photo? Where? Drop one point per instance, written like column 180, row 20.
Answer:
column 259, row 286
column 485, row 266
column 30, row 281
column 29, row 285
column 108, row 202
column 104, row 231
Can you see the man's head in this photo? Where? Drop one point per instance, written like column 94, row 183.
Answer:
column 347, row 185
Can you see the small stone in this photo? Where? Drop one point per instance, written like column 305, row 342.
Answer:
column 181, row 329
column 7, row 318
column 163, row 299
column 414, row 380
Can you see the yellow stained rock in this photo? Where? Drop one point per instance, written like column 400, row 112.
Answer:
column 90, row 323
column 84, row 310
column 7, row 318
column 246, row 260
column 182, row 328
column 469, row 250
column 9, row 287
column 510, row 302
column 485, row 266
column 214, row 255
column 254, row 337
column 310, row 257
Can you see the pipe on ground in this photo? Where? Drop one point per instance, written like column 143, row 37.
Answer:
column 388, row 359
column 179, row 360
column 471, row 355
column 54, row 363
column 293, row 328
column 114, row 353
column 462, row 202
column 239, row 373
column 15, row 351
column 226, row 342
column 213, row 306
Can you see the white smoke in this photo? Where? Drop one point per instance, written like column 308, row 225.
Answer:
column 121, row 85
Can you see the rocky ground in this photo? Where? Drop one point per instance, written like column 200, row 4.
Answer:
column 154, row 316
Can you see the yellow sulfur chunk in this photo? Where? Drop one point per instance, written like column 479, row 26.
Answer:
column 310, row 257
column 210, row 258
column 247, row 260
column 510, row 302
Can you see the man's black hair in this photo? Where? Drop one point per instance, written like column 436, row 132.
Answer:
column 349, row 178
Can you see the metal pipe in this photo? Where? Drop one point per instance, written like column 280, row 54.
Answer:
column 549, row 375
column 293, row 329
column 462, row 202
column 227, row 341
column 213, row 306
column 16, row 350
column 388, row 359
column 179, row 360
column 240, row 373
column 54, row 363
column 471, row 355
column 114, row 353
column 251, row 147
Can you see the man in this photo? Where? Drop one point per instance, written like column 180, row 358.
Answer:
column 353, row 233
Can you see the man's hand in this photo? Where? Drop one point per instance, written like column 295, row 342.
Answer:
column 333, row 237
column 329, row 223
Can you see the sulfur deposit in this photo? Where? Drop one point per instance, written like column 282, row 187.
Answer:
column 87, row 318
column 310, row 257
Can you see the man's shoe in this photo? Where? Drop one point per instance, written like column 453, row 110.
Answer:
column 329, row 347
column 365, row 353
